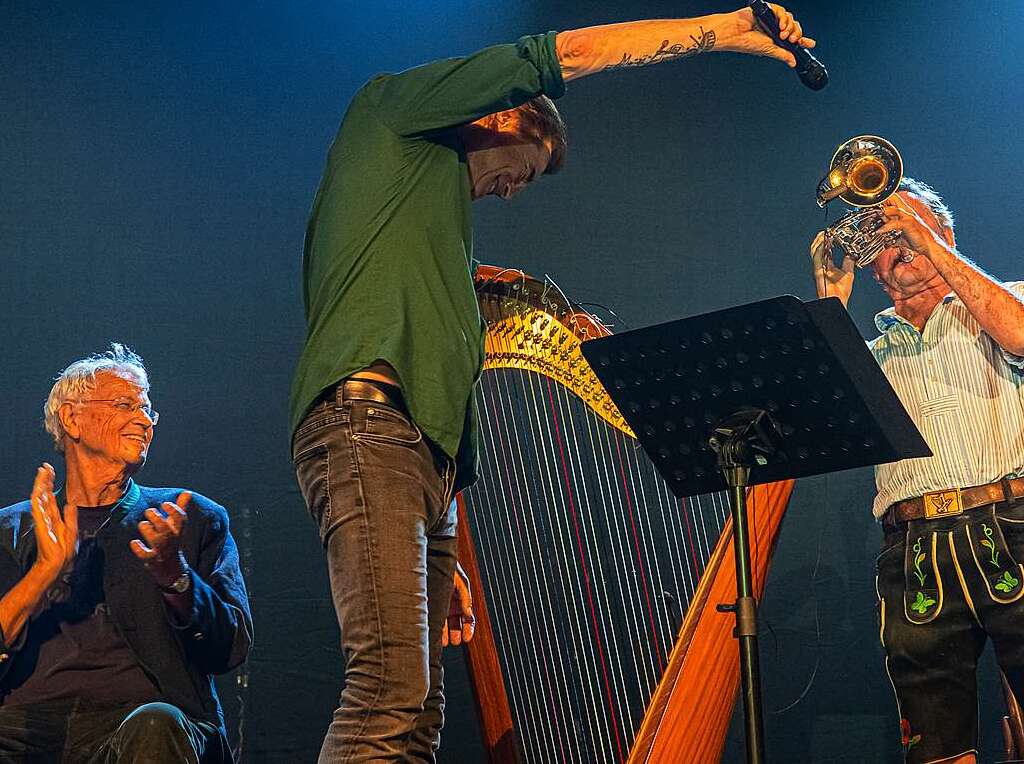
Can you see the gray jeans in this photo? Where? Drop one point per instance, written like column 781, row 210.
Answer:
column 381, row 496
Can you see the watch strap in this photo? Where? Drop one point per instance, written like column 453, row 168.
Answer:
column 182, row 583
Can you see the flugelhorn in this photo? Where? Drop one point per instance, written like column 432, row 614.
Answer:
column 864, row 172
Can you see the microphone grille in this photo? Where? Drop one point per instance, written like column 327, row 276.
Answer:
column 814, row 76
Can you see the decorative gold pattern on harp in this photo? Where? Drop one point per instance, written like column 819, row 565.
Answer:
column 595, row 589
column 533, row 340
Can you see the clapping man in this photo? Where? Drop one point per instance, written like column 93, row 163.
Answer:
column 119, row 602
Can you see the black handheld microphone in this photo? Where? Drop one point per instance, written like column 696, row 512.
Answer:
column 808, row 68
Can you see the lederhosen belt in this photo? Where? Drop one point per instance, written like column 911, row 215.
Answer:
column 954, row 501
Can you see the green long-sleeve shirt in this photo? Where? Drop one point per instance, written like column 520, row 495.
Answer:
column 388, row 251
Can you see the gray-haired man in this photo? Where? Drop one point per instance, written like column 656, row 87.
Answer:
column 949, row 573
column 115, row 612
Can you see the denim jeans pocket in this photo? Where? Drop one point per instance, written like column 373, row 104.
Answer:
column 317, row 420
column 385, row 425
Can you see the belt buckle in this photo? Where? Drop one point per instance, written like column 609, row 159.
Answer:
column 946, row 503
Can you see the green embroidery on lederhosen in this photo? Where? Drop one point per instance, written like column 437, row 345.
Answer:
column 923, row 603
column 1008, row 582
column 992, row 558
column 922, row 595
column 989, row 544
column 919, row 557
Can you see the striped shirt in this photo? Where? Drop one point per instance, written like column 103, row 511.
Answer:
column 964, row 393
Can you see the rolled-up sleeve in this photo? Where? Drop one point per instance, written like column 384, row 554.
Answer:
column 455, row 91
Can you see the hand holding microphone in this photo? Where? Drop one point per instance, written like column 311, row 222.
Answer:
column 808, row 68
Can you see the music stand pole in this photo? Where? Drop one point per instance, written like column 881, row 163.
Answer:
column 737, row 442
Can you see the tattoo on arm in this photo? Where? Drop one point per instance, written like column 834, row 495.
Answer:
column 668, row 52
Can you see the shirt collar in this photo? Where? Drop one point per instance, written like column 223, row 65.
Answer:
column 888, row 318
column 131, row 495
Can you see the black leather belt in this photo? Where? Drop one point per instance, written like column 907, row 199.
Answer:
column 364, row 390
column 370, row 390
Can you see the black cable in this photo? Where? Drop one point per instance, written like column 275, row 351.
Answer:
column 817, row 616
column 607, row 310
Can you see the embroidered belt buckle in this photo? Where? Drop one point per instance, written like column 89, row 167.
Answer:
column 943, row 503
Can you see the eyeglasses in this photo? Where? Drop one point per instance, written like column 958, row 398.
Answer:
column 126, row 406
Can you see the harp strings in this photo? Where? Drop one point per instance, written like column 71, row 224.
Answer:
column 512, row 566
column 589, row 563
column 557, row 568
column 532, row 478
column 524, row 435
column 606, row 489
column 582, row 522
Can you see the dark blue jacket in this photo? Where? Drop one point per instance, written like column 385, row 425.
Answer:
column 181, row 661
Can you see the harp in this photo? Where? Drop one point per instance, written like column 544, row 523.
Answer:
column 598, row 639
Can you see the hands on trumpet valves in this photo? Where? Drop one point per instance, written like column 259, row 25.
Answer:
column 855, row 234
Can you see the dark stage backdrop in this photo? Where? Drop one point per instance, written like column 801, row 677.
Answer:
column 157, row 162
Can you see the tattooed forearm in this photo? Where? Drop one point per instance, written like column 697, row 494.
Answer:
column 668, row 52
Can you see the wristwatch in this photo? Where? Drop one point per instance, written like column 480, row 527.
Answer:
column 182, row 583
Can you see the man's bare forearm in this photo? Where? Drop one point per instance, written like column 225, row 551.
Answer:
column 21, row 601
column 997, row 309
column 635, row 43
column 642, row 43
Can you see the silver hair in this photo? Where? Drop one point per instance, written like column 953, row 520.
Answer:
column 927, row 194
column 80, row 377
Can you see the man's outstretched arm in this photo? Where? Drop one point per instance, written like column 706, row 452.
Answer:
column 456, row 91
column 641, row 43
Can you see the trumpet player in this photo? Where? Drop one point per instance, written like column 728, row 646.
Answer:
column 949, row 575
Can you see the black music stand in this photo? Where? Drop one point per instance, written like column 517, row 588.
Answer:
column 769, row 391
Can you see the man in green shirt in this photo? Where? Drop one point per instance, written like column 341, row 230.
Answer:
column 384, row 431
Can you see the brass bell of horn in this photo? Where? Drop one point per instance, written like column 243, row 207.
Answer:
column 864, row 172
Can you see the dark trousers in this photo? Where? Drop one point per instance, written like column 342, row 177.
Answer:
column 76, row 733
column 381, row 496
column 945, row 586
